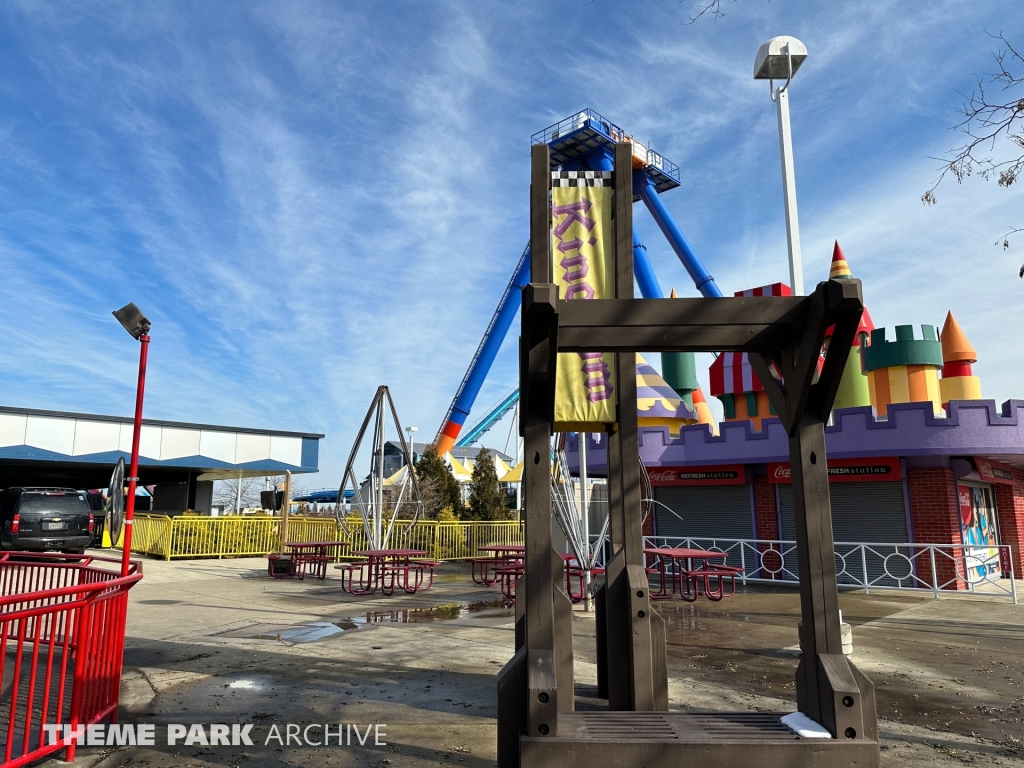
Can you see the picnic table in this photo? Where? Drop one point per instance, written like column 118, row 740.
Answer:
column 302, row 556
column 499, row 556
column 388, row 569
column 693, row 572
column 575, row 577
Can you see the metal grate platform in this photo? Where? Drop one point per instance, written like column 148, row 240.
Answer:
column 674, row 726
column 674, row 739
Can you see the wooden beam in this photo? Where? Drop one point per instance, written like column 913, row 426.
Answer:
column 700, row 325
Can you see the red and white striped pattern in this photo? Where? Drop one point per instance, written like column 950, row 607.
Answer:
column 731, row 373
column 775, row 289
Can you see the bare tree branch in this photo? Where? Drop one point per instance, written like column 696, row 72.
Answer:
column 989, row 121
column 709, row 8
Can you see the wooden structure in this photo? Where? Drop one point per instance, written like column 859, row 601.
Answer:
column 537, row 725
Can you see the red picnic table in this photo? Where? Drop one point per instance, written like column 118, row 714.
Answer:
column 575, row 572
column 386, row 569
column 303, row 555
column 499, row 556
column 676, row 566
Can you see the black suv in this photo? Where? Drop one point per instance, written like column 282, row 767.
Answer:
column 41, row 519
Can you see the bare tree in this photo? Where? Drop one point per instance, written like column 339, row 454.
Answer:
column 991, row 118
column 226, row 492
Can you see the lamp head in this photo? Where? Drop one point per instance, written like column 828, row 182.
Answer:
column 136, row 323
column 772, row 60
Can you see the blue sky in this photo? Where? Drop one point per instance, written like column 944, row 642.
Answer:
column 311, row 199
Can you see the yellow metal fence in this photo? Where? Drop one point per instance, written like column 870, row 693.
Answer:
column 242, row 536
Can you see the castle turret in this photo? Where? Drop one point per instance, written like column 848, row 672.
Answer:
column 853, row 387
column 905, row 370
column 657, row 404
column 958, row 382
column 679, row 370
column 733, row 380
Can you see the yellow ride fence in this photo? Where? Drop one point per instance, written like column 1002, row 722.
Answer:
column 256, row 535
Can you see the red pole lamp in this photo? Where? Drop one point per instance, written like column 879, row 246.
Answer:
column 138, row 326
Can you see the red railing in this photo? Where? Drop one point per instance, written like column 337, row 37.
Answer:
column 62, row 625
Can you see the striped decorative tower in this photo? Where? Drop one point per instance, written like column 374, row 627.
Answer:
column 957, row 383
column 853, row 388
column 905, row 370
column 733, row 380
column 657, row 404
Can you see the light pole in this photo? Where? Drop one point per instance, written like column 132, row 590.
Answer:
column 585, row 512
column 779, row 59
column 412, row 445
column 138, row 326
column 412, row 459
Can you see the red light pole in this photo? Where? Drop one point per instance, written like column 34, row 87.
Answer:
column 138, row 326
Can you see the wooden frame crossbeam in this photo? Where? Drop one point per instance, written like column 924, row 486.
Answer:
column 748, row 324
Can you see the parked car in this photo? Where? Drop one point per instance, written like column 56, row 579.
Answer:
column 41, row 519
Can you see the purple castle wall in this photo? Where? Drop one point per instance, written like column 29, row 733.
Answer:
column 972, row 428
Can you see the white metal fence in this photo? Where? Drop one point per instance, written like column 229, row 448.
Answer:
column 936, row 568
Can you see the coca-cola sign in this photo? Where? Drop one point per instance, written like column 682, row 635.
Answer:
column 732, row 474
column 845, row 470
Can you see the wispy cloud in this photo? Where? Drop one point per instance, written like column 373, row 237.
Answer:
column 313, row 199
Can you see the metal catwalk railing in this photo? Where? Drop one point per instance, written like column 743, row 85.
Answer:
column 936, row 568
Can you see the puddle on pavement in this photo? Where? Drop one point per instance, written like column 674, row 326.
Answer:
column 311, row 631
column 306, row 632
column 449, row 612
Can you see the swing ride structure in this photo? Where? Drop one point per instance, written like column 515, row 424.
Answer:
column 835, row 725
column 583, row 141
column 368, row 497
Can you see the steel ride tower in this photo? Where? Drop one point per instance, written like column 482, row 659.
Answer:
column 584, row 142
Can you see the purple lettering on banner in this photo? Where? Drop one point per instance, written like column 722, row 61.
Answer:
column 598, row 376
column 579, row 291
column 579, row 260
column 574, row 216
column 595, row 370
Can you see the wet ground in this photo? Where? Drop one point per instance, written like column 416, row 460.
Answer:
column 219, row 642
column 952, row 664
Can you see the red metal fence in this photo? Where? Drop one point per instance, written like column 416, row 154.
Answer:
column 62, row 626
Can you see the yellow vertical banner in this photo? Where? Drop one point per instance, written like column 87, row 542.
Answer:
column 582, row 243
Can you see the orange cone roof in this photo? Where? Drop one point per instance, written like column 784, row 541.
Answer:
column 840, row 270
column 955, row 346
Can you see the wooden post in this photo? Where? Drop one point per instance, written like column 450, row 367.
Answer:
column 284, row 507
column 539, row 300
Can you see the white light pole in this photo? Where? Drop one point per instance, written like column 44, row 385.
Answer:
column 585, row 512
column 412, row 437
column 779, row 59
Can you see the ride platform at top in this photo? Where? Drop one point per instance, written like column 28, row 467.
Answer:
column 575, row 138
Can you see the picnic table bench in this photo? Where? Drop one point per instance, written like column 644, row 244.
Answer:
column 499, row 555
column 692, row 573
column 388, row 570
column 303, row 557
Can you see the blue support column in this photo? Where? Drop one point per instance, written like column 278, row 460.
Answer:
column 644, row 272
column 643, row 186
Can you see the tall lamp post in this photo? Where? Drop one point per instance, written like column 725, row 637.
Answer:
column 779, row 59
column 138, row 326
column 412, row 436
